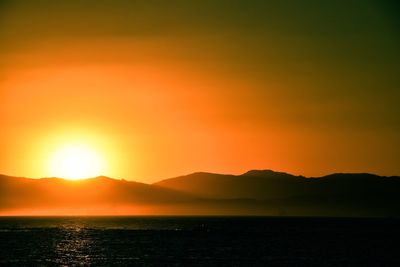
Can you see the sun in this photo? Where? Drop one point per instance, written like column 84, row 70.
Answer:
column 76, row 161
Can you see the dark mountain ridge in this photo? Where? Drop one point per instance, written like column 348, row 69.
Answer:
column 256, row 192
column 267, row 184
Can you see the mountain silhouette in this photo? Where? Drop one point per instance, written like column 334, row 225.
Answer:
column 254, row 184
column 256, row 192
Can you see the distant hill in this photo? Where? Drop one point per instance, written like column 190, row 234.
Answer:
column 267, row 184
column 256, row 192
column 341, row 194
column 99, row 193
column 254, row 184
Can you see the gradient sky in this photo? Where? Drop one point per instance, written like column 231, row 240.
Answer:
column 164, row 88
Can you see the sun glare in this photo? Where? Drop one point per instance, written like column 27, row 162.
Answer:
column 75, row 162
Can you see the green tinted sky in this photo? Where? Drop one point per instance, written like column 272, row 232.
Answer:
column 308, row 86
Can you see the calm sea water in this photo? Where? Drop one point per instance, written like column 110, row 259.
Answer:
column 198, row 241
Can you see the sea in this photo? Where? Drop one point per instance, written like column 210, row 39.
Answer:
column 199, row 241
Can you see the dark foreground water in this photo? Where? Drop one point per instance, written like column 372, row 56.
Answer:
column 198, row 241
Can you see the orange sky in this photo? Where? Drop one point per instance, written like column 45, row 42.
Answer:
column 164, row 92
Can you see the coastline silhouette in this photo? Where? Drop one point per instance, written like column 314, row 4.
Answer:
column 257, row 192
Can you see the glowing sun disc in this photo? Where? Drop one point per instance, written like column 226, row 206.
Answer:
column 76, row 162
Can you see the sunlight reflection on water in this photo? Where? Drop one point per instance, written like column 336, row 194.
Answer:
column 73, row 246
